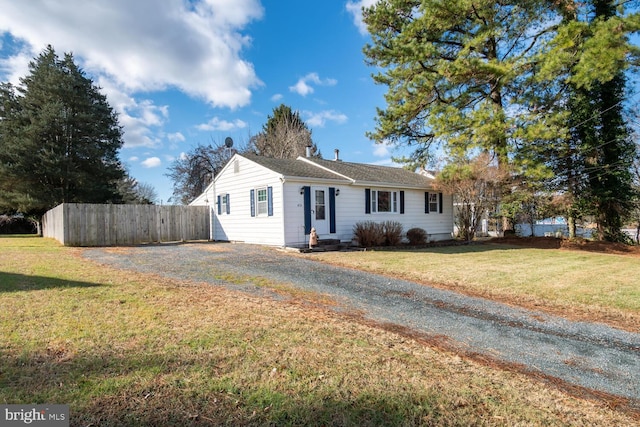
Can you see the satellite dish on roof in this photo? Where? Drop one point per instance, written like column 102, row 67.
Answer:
column 228, row 142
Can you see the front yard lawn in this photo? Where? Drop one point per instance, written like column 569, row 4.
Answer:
column 125, row 348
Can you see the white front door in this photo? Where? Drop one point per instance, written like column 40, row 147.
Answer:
column 320, row 209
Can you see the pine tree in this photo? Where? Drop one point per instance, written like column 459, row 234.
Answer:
column 592, row 53
column 458, row 72
column 59, row 139
column 610, row 177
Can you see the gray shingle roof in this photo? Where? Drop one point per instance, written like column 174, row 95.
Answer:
column 293, row 168
column 358, row 173
column 364, row 173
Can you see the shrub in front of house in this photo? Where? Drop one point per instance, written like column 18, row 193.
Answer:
column 417, row 236
column 369, row 234
column 392, row 231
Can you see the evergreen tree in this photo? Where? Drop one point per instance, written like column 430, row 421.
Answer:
column 284, row 136
column 458, row 72
column 59, row 139
column 610, row 177
column 592, row 53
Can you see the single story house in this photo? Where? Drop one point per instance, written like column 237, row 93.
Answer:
column 276, row 202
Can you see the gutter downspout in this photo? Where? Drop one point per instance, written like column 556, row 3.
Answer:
column 282, row 209
column 212, row 215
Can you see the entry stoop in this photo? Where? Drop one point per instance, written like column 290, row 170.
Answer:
column 326, row 245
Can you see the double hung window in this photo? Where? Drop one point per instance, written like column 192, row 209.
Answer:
column 433, row 202
column 384, row 201
column 261, row 201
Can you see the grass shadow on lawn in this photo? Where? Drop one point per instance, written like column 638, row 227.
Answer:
column 11, row 282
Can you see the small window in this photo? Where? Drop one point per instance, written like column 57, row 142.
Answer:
column 262, row 201
column 433, row 202
column 223, row 203
column 320, row 205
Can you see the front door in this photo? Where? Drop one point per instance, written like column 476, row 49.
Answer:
column 320, row 210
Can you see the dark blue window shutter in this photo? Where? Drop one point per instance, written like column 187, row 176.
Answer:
column 332, row 210
column 367, row 200
column 426, row 202
column 219, row 206
column 270, row 201
column 228, row 205
column 252, row 195
column 307, row 210
column 440, row 202
column 401, row 202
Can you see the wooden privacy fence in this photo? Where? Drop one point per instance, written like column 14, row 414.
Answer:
column 81, row 224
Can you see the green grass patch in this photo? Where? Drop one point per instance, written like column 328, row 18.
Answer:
column 125, row 348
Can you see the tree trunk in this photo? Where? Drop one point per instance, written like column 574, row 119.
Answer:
column 571, row 222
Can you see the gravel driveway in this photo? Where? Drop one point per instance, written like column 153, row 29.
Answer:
column 590, row 355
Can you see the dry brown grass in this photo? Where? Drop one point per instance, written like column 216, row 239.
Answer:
column 128, row 348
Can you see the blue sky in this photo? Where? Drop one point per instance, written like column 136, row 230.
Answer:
column 184, row 72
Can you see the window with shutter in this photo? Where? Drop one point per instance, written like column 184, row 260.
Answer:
column 384, row 201
column 262, row 202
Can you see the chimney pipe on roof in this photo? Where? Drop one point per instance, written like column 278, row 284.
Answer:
column 308, row 151
column 337, row 157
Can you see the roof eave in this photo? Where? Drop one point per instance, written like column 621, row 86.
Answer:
column 316, row 180
column 391, row 185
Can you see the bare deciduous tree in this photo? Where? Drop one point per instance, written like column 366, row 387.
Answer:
column 194, row 171
column 475, row 184
column 284, row 136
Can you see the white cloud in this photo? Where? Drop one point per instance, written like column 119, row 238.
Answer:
column 277, row 97
column 382, row 150
column 321, row 118
column 133, row 159
column 144, row 45
column 14, row 67
column 183, row 156
column 176, row 137
column 355, row 8
column 221, row 125
column 141, row 121
column 152, row 162
column 303, row 86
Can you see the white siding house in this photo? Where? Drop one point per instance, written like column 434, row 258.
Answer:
column 276, row 202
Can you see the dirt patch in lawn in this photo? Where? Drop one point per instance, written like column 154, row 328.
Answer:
column 573, row 244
